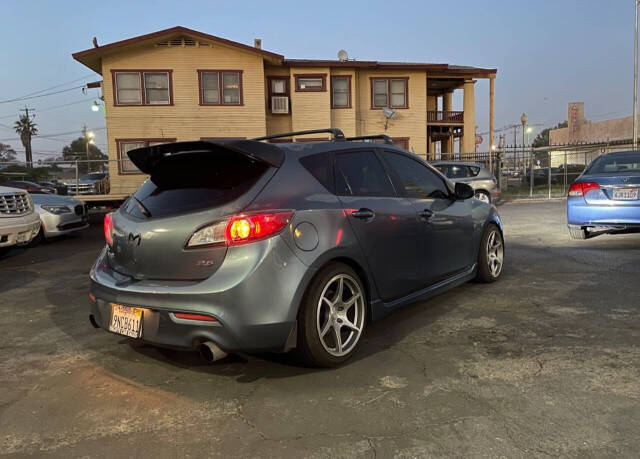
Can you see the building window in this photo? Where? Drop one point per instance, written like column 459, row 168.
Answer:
column 220, row 87
column 311, row 83
column 125, row 166
column 279, row 86
column 341, row 91
column 142, row 87
column 389, row 92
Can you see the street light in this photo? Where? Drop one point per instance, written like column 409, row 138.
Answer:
column 95, row 107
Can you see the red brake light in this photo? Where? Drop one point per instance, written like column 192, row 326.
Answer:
column 108, row 228
column 248, row 228
column 202, row 317
column 580, row 189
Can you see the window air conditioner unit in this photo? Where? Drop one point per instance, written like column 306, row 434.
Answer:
column 279, row 104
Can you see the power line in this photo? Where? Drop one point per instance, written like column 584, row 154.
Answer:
column 19, row 99
column 55, row 107
column 57, row 134
column 57, row 86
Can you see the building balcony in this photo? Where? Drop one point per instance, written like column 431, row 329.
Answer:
column 445, row 117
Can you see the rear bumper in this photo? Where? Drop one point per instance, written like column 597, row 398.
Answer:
column 579, row 213
column 254, row 296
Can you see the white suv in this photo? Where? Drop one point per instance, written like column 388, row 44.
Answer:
column 18, row 222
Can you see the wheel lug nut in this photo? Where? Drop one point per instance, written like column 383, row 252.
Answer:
column 339, row 321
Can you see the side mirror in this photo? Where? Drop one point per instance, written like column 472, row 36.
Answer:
column 463, row 191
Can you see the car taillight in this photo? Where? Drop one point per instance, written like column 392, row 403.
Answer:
column 108, row 228
column 241, row 229
column 580, row 189
column 248, row 228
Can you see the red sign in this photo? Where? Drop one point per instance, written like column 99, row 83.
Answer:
column 478, row 139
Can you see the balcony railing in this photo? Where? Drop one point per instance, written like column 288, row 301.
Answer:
column 444, row 117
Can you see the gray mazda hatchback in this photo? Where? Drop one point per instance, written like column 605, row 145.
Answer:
column 245, row 245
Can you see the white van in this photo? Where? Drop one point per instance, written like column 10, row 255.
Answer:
column 18, row 222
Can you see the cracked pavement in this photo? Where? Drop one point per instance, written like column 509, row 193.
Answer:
column 544, row 363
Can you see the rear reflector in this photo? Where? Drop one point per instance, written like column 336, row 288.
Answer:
column 580, row 189
column 200, row 317
column 92, row 297
column 108, row 228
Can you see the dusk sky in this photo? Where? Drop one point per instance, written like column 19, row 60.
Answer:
column 547, row 52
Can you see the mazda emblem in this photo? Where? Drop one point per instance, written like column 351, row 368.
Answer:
column 134, row 238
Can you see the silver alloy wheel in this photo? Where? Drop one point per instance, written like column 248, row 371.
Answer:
column 340, row 315
column 495, row 253
column 480, row 196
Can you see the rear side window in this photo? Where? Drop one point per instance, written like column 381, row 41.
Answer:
column 608, row 164
column 418, row 180
column 360, row 173
column 319, row 166
column 473, row 171
column 457, row 171
column 197, row 181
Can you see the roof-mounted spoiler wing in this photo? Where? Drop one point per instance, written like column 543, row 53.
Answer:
column 147, row 159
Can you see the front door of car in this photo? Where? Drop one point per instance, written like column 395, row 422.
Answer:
column 447, row 223
column 385, row 223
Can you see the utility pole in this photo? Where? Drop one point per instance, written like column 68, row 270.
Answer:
column 25, row 136
column 635, row 81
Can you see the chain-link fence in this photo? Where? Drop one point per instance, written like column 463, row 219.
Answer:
column 78, row 177
column 545, row 172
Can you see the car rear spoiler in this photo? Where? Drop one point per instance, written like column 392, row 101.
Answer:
column 147, row 159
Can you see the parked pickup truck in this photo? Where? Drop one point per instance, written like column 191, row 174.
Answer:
column 18, row 222
column 91, row 183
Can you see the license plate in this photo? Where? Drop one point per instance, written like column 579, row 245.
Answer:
column 126, row 320
column 22, row 237
column 625, row 194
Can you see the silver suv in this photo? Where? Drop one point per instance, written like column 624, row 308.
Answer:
column 477, row 175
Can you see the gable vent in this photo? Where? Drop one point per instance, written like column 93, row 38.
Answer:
column 180, row 43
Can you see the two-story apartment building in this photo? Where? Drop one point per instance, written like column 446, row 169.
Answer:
column 180, row 84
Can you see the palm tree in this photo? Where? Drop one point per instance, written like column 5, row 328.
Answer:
column 26, row 128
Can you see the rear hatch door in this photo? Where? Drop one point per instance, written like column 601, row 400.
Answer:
column 191, row 185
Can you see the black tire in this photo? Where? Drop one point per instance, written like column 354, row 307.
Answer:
column 310, row 348
column 485, row 273
column 577, row 233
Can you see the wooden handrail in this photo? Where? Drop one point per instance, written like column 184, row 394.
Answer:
column 434, row 116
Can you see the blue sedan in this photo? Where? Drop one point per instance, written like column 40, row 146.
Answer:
column 604, row 199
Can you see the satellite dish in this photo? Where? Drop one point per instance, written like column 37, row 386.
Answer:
column 389, row 113
column 343, row 56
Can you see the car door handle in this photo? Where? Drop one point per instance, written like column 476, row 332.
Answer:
column 426, row 214
column 363, row 214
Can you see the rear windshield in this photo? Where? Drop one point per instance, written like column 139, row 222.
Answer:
column 608, row 164
column 197, row 181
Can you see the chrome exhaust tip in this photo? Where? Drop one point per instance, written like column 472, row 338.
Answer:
column 211, row 352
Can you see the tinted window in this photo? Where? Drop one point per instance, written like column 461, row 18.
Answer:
column 418, row 180
column 608, row 164
column 320, row 167
column 359, row 173
column 197, row 181
column 457, row 171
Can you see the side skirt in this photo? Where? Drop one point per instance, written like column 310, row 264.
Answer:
column 381, row 309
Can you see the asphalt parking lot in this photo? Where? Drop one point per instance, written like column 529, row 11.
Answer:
column 543, row 363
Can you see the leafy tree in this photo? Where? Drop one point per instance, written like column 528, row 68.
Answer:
column 27, row 129
column 542, row 139
column 78, row 150
column 7, row 154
